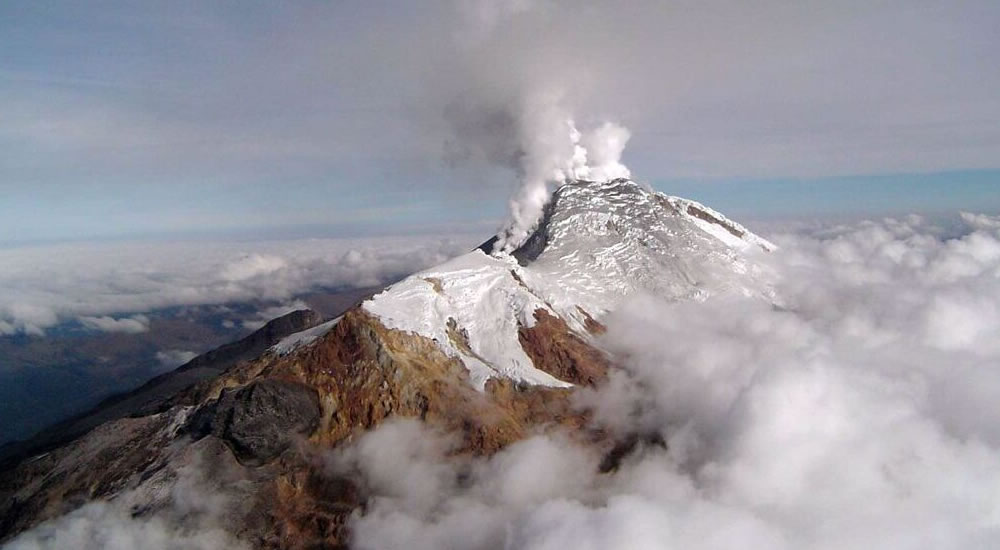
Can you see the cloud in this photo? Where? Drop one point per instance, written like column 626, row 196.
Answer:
column 520, row 114
column 857, row 412
column 108, row 286
column 725, row 89
column 129, row 325
column 175, row 357
column 261, row 317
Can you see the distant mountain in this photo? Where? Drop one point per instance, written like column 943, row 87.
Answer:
column 488, row 346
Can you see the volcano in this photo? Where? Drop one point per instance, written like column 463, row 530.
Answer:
column 488, row 346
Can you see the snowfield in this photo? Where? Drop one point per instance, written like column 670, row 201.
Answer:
column 597, row 244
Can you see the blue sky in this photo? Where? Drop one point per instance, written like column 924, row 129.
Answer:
column 177, row 118
column 321, row 209
column 849, row 197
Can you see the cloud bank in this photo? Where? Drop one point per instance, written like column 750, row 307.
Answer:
column 859, row 412
column 109, row 286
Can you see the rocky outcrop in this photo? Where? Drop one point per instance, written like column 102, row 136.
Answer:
column 260, row 420
column 557, row 350
column 258, row 342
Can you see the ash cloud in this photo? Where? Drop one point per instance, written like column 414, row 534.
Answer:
column 859, row 412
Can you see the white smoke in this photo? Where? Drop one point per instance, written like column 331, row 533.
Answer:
column 555, row 152
column 518, row 111
column 861, row 414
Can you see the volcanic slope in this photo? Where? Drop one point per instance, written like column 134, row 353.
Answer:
column 487, row 346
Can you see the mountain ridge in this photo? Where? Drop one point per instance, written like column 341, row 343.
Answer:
column 481, row 346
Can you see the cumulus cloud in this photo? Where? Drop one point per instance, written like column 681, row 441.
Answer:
column 856, row 412
column 130, row 325
column 108, row 286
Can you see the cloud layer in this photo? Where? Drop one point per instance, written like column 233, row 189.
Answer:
column 108, row 286
column 857, row 413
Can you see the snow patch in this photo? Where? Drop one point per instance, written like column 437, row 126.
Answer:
column 297, row 340
column 472, row 307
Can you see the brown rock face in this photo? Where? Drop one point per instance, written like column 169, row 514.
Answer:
column 594, row 327
column 365, row 373
column 349, row 381
column 557, row 350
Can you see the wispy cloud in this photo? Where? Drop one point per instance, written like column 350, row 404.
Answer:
column 131, row 325
column 175, row 357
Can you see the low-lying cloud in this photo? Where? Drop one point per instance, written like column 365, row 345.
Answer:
column 859, row 412
column 109, row 286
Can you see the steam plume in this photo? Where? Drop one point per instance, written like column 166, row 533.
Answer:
column 518, row 111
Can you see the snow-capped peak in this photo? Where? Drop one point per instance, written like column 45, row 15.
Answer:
column 596, row 243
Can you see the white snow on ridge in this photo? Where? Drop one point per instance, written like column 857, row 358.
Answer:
column 605, row 241
column 484, row 298
column 597, row 244
column 736, row 235
column 303, row 338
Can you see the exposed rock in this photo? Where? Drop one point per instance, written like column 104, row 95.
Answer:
column 593, row 326
column 105, row 461
column 365, row 372
column 554, row 348
column 627, row 446
column 261, row 419
column 704, row 215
